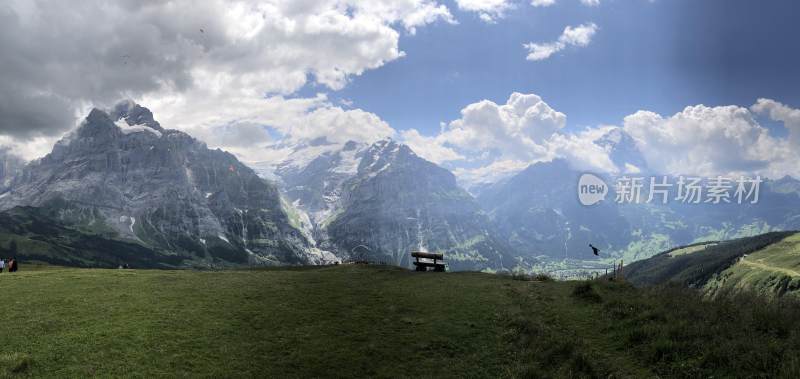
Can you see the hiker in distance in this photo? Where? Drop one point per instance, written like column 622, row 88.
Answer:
column 12, row 265
column 595, row 250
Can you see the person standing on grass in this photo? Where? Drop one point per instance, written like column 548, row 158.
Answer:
column 2, row 265
column 12, row 265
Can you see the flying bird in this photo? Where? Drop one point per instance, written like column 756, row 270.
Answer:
column 595, row 250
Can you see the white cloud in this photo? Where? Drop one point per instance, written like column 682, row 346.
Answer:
column 205, row 56
column 542, row 3
column 780, row 112
column 430, row 148
column 488, row 10
column 703, row 140
column 493, row 140
column 242, row 125
column 579, row 36
column 581, row 151
column 517, row 128
column 591, row 3
column 490, row 173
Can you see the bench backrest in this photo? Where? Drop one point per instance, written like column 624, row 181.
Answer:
column 419, row 254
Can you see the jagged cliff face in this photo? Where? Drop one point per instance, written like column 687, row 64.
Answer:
column 121, row 171
column 316, row 186
column 382, row 201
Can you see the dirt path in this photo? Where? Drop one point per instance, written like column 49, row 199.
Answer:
column 767, row 267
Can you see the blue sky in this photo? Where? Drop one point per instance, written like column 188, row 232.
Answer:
column 660, row 56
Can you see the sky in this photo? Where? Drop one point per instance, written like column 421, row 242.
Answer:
column 484, row 88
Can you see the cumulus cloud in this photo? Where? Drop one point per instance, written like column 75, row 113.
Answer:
column 490, row 140
column 578, row 36
column 703, row 140
column 180, row 52
column 517, row 128
column 591, row 3
column 488, row 10
column 777, row 111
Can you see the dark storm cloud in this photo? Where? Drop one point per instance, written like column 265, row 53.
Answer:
column 58, row 55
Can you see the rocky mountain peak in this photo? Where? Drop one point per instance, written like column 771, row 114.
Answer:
column 622, row 150
column 134, row 114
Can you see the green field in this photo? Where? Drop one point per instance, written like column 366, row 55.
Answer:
column 373, row 321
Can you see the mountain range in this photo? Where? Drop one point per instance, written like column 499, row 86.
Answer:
column 164, row 199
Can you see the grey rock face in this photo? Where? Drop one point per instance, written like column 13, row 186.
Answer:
column 121, row 170
column 382, row 201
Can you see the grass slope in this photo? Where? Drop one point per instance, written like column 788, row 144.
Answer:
column 360, row 321
column 39, row 237
column 693, row 267
column 771, row 271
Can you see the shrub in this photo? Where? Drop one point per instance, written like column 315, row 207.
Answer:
column 585, row 291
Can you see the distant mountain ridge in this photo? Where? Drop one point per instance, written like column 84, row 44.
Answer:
column 538, row 212
column 121, row 176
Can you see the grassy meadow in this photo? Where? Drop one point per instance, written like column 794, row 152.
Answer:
column 375, row 321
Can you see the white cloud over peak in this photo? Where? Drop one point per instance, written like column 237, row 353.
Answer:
column 430, row 148
column 206, row 56
column 246, row 126
column 578, row 36
column 488, row 10
column 493, row 140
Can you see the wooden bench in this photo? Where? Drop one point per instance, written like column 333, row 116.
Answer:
column 437, row 263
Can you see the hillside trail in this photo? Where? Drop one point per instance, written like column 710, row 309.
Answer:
column 767, row 267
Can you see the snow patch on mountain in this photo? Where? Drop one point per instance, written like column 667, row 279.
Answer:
column 129, row 129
